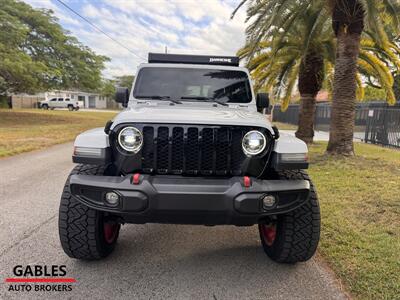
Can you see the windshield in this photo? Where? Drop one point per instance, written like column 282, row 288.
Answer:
column 187, row 84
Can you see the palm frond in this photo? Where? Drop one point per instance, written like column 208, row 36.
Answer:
column 360, row 88
column 282, row 33
column 237, row 8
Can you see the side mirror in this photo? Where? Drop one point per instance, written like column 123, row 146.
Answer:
column 122, row 96
column 262, row 101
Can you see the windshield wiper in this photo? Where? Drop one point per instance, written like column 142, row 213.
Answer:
column 206, row 99
column 155, row 97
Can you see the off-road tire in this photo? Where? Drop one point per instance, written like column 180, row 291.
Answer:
column 70, row 107
column 297, row 232
column 45, row 107
column 81, row 228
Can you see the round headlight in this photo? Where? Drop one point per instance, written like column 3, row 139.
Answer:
column 253, row 143
column 130, row 139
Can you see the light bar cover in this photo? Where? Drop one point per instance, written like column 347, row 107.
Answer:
column 194, row 59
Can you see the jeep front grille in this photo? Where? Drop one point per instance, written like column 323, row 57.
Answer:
column 192, row 150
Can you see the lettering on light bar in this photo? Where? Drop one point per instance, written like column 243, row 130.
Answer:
column 87, row 151
column 293, row 157
column 217, row 59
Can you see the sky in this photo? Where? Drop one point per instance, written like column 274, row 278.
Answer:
column 142, row 26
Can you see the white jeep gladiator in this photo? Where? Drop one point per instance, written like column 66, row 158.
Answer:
column 191, row 147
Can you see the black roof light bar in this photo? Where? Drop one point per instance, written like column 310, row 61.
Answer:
column 193, row 59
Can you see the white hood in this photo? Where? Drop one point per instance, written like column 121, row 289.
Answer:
column 185, row 114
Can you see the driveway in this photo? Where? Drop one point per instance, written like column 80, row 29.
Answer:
column 151, row 261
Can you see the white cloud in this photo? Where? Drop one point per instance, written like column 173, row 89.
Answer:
column 170, row 21
column 90, row 11
column 189, row 26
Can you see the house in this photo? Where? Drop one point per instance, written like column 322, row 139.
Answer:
column 89, row 100
column 322, row 96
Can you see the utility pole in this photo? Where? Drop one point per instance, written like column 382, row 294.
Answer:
column 166, row 49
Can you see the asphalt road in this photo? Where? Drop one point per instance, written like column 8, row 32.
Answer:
column 151, row 261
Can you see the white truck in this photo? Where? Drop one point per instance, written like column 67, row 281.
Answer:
column 60, row 102
column 190, row 148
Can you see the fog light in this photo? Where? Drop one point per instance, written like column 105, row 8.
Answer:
column 112, row 198
column 268, row 201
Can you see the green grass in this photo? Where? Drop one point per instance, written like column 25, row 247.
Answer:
column 27, row 130
column 360, row 206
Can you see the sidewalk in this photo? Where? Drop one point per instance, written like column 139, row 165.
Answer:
column 321, row 136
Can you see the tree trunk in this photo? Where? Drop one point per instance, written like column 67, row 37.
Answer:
column 305, row 130
column 344, row 93
column 310, row 82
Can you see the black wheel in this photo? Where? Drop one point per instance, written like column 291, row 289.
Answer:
column 45, row 106
column 70, row 108
column 85, row 233
column 293, row 237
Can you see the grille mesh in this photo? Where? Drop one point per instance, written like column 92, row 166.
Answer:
column 193, row 150
column 147, row 151
column 162, row 150
column 177, row 150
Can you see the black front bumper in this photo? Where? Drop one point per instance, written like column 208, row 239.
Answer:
column 189, row 200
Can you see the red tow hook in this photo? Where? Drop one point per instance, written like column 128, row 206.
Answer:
column 247, row 181
column 136, row 178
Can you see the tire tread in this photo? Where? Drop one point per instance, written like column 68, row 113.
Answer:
column 77, row 222
column 300, row 227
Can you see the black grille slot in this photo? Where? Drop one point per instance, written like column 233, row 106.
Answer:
column 148, row 149
column 237, row 155
column 207, row 151
column 193, row 150
column 162, row 150
column 177, row 150
column 223, row 153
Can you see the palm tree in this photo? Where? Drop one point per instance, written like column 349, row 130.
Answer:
column 268, row 68
column 350, row 19
column 277, row 65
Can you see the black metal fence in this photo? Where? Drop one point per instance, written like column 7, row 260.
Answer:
column 290, row 116
column 383, row 127
column 375, row 122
